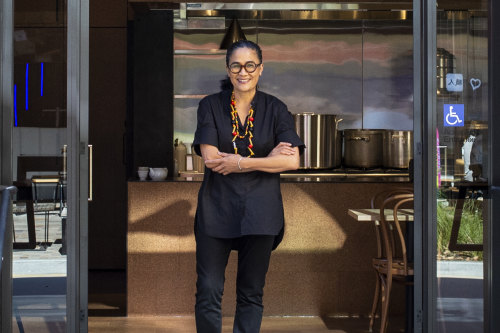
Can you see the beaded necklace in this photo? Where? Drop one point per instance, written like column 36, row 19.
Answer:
column 236, row 126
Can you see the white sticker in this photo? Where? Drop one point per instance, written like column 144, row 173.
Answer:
column 454, row 82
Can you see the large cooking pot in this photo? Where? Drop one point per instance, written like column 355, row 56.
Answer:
column 397, row 149
column 362, row 148
column 320, row 135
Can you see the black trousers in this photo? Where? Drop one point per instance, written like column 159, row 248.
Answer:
column 254, row 253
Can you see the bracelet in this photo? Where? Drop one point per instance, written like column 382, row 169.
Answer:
column 239, row 167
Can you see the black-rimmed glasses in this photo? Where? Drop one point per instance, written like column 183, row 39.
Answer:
column 250, row 67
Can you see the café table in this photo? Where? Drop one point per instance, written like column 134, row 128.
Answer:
column 373, row 214
column 404, row 215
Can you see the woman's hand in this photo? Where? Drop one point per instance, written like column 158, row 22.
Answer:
column 283, row 148
column 226, row 164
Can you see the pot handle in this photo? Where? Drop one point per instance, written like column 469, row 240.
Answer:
column 359, row 138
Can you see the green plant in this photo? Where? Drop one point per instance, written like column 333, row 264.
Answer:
column 471, row 228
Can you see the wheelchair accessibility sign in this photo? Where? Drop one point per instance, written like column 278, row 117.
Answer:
column 453, row 115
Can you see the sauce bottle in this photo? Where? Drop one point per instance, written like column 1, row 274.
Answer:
column 180, row 151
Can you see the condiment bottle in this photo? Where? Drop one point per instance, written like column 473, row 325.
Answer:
column 180, row 151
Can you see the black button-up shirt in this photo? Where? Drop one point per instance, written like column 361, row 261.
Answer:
column 247, row 203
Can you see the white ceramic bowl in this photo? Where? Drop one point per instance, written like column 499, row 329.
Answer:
column 142, row 174
column 158, row 174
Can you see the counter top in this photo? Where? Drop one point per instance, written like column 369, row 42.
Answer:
column 320, row 176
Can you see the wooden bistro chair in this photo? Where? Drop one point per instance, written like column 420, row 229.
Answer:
column 391, row 262
column 46, row 206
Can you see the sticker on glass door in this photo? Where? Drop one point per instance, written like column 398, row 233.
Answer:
column 453, row 115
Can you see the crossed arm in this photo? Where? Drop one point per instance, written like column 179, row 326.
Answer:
column 283, row 157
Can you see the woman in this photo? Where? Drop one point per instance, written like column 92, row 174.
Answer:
column 246, row 137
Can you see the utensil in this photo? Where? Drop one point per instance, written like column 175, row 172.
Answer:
column 143, row 174
column 363, row 148
column 321, row 137
column 397, row 149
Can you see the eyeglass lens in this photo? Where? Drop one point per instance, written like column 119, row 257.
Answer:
column 250, row 67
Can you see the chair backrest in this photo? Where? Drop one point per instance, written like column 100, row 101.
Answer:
column 45, row 188
column 375, row 203
column 379, row 198
column 393, row 239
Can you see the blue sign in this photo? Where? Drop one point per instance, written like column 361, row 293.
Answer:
column 453, row 115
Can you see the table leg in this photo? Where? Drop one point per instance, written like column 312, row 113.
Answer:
column 62, row 250
column 30, row 214
column 455, row 228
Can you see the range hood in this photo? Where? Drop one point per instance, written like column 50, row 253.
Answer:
column 233, row 34
column 297, row 11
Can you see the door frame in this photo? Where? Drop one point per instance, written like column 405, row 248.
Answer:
column 78, row 167
column 425, row 123
column 6, row 118
column 492, row 231
column 424, row 134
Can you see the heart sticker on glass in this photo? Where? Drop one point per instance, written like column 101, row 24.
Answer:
column 475, row 83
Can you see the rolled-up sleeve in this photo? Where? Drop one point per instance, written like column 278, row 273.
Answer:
column 206, row 130
column 285, row 130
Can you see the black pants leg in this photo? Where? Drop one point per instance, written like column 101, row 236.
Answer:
column 254, row 253
column 212, row 254
column 211, row 259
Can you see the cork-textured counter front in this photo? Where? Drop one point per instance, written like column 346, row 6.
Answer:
column 322, row 267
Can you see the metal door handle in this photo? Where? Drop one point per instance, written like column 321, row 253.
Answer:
column 90, row 173
column 65, row 162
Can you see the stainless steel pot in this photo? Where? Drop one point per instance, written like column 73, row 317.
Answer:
column 397, row 149
column 320, row 134
column 362, row 148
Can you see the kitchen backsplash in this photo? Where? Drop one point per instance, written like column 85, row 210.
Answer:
column 361, row 70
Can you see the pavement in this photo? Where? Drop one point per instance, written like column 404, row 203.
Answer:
column 43, row 260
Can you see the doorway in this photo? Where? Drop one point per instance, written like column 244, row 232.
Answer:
column 46, row 156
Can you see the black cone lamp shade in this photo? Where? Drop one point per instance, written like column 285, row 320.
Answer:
column 233, row 34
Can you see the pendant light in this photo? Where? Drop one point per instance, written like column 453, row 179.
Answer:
column 233, row 34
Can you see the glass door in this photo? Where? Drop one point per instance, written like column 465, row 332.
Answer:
column 48, row 163
column 462, row 179
column 456, row 182
column 453, row 173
